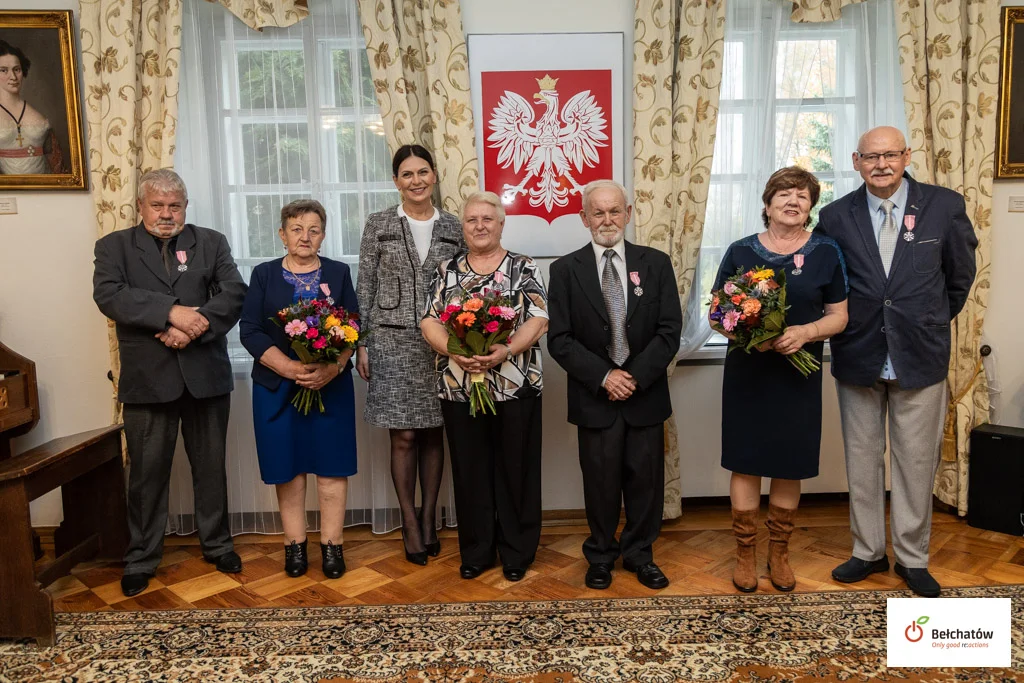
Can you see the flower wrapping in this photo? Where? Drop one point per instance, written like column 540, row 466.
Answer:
column 474, row 325
column 751, row 306
column 319, row 332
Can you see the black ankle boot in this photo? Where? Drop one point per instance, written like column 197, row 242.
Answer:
column 334, row 561
column 295, row 560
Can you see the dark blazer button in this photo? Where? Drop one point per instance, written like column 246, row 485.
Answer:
column 605, row 327
column 883, row 329
column 888, row 302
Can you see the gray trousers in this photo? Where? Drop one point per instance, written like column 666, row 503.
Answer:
column 151, row 431
column 915, row 418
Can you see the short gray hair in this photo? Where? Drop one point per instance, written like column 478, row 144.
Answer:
column 162, row 180
column 484, row 197
column 593, row 185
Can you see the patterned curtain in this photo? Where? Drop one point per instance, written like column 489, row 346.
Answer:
column 819, row 11
column 677, row 70
column 950, row 62
column 418, row 61
column 259, row 13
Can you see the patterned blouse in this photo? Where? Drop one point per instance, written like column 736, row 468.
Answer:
column 521, row 280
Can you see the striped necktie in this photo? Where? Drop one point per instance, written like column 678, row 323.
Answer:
column 887, row 236
column 615, row 302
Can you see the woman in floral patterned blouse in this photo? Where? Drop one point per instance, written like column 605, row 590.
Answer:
column 495, row 458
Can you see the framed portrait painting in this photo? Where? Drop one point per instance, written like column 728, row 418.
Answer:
column 1010, row 129
column 41, row 142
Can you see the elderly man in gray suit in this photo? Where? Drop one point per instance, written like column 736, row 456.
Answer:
column 174, row 293
column 909, row 250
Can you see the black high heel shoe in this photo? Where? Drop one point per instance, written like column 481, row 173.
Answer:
column 434, row 549
column 419, row 558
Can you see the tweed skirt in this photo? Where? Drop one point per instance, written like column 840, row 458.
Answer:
column 403, row 380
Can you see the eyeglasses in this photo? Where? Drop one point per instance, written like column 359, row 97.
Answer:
column 888, row 156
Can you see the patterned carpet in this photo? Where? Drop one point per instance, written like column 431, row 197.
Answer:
column 756, row 638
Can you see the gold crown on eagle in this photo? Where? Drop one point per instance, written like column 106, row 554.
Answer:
column 547, row 83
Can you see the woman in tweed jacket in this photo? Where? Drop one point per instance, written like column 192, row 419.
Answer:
column 401, row 248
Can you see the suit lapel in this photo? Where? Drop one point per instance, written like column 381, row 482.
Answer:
column 186, row 243
column 149, row 253
column 915, row 204
column 585, row 270
column 635, row 263
column 860, row 214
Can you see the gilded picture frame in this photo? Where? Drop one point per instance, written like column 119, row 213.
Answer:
column 1010, row 128
column 42, row 146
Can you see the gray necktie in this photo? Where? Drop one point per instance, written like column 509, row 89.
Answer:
column 615, row 302
column 887, row 236
column 165, row 255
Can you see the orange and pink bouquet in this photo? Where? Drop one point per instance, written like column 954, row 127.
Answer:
column 475, row 324
column 751, row 307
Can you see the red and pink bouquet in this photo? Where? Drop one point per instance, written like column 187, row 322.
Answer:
column 320, row 332
column 752, row 308
column 474, row 325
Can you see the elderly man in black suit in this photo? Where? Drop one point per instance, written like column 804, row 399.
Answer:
column 909, row 251
column 174, row 293
column 615, row 324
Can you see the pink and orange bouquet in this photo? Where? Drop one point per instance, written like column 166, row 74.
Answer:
column 319, row 333
column 475, row 324
column 751, row 307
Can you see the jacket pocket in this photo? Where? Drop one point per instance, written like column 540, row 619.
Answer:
column 927, row 255
column 389, row 293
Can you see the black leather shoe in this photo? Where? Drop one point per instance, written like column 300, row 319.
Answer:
column 856, row 569
column 599, row 576
column 333, row 560
column 133, row 584
column 295, row 559
column 471, row 571
column 647, row 574
column 919, row 580
column 228, row 563
column 514, row 573
column 434, row 549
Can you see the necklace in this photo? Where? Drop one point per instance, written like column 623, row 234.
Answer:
column 306, row 284
column 773, row 244
column 17, row 121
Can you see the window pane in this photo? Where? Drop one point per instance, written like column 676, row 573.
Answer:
column 732, row 64
column 263, row 218
column 350, row 220
column 275, row 153
column 804, row 139
column 376, row 160
column 828, row 194
column 724, row 221
column 271, row 78
column 378, row 201
column 348, row 161
column 341, row 67
column 369, row 94
column 805, row 68
column 729, row 148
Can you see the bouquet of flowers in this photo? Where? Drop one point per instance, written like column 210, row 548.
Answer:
column 752, row 307
column 320, row 332
column 475, row 324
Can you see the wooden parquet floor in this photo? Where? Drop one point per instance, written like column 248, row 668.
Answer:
column 695, row 552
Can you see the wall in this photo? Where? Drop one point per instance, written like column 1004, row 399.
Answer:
column 46, row 307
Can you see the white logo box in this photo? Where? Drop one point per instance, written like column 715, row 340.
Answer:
column 960, row 632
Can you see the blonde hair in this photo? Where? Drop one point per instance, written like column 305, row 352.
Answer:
column 484, row 197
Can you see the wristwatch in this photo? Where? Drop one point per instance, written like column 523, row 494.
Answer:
column 508, row 355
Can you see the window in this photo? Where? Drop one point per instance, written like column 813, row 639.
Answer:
column 266, row 118
column 791, row 94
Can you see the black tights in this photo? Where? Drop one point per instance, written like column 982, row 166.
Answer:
column 412, row 450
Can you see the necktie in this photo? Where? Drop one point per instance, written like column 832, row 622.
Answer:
column 165, row 254
column 887, row 236
column 615, row 302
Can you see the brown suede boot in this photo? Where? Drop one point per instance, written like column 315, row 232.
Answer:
column 744, row 528
column 780, row 526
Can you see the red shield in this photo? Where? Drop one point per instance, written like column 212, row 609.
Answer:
column 546, row 135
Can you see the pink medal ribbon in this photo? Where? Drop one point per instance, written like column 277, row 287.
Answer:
column 182, row 257
column 325, row 289
column 908, row 223
column 798, row 261
column 634, row 277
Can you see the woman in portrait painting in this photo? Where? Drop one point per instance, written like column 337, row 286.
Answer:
column 28, row 144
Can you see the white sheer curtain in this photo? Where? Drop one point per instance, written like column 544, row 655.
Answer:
column 265, row 118
column 791, row 94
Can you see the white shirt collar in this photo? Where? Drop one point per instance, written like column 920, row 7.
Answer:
column 619, row 248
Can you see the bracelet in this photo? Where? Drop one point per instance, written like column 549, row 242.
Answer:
column 817, row 332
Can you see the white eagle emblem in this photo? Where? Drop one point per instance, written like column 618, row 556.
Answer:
column 549, row 148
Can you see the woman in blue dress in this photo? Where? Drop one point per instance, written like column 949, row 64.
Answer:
column 291, row 445
column 771, row 414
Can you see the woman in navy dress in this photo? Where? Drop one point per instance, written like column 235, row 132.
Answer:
column 291, row 445
column 771, row 414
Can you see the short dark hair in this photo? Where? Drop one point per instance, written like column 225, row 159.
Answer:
column 8, row 49
column 300, row 207
column 406, row 151
column 786, row 179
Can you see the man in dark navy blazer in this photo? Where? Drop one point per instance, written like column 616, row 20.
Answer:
column 615, row 321
column 173, row 292
column 909, row 250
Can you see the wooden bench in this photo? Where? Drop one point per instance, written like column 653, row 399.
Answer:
column 89, row 470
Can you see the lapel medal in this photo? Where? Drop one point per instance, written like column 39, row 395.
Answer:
column 325, row 288
column 798, row 261
column 182, row 257
column 908, row 223
column 634, row 277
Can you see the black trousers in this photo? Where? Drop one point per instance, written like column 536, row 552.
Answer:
column 496, row 471
column 622, row 464
column 151, row 431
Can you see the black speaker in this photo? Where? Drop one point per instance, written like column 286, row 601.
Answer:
column 995, row 496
